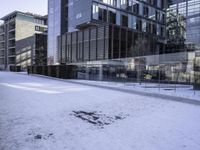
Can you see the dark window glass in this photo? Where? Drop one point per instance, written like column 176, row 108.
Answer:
column 112, row 17
column 154, row 29
column 124, row 20
column 102, row 14
column 136, row 8
column 139, row 24
column 145, row 11
column 123, row 44
column 116, row 43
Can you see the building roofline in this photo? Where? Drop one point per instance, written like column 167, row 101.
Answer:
column 23, row 13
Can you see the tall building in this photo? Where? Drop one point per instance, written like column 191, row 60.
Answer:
column 18, row 40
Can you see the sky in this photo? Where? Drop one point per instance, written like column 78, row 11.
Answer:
column 33, row 6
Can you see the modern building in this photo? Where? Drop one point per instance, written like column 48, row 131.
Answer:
column 146, row 17
column 126, row 39
column 19, row 36
column 105, row 32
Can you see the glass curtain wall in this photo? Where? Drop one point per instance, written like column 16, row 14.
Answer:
column 187, row 13
column 54, row 29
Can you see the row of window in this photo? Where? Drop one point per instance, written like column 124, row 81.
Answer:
column 124, row 4
column 107, row 43
column 126, row 20
column 187, row 8
column 40, row 29
column 39, row 21
column 147, row 12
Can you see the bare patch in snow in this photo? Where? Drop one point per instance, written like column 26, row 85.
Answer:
column 35, row 135
column 97, row 118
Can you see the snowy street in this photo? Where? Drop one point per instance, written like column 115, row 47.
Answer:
column 43, row 114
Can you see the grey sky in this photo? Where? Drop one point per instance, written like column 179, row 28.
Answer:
column 33, row 6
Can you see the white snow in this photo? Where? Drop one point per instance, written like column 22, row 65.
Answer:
column 32, row 118
column 177, row 90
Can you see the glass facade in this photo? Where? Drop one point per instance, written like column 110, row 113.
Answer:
column 188, row 12
column 54, row 29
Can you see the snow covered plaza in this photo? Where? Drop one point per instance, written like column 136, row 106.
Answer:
column 38, row 113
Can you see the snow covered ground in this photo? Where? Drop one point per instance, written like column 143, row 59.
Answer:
column 45, row 114
column 176, row 90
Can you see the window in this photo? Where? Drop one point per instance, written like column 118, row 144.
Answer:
column 124, row 20
column 162, row 4
column 39, row 21
column 136, row 8
column 154, row 27
column 152, row 13
column 144, row 25
column 158, row 30
column 102, row 14
column 148, row 27
column 95, row 11
column 155, row 2
column 123, row 4
column 145, row 11
column 162, row 31
column 112, row 17
column 134, row 22
column 37, row 28
column 40, row 29
column 109, row 2
column 139, row 24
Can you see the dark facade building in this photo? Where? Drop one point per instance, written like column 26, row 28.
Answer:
column 18, row 39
